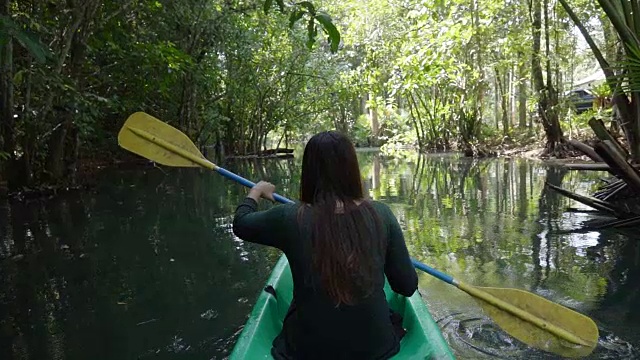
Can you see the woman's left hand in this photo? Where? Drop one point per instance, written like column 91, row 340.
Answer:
column 262, row 189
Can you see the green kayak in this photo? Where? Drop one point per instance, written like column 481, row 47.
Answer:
column 423, row 339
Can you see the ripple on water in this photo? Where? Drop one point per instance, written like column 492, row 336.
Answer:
column 473, row 337
column 178, row 345
column 209, row 314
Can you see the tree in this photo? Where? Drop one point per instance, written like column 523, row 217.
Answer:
column 184, row 62
column 547, row 93
column 625, row 82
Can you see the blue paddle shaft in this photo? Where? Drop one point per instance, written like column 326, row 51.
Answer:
column 279, row 198
column 228, row 174
column 431, row 271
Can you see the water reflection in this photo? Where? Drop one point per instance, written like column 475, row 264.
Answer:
column 146, row 265
column 493, row 223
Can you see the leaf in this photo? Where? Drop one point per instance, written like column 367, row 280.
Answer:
column 9, row 28
column 33, row 45
column 280, row 5
column 294, row 17
column 17, row 78
column 330, row 29
column 309, row 6
column 267, row 5
column 311, row 32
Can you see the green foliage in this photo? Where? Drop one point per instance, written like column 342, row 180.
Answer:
column 9, row 29
column 227, row 74
column 331, row 30
column 299, row 10
column 245, row 76
column 629, row 69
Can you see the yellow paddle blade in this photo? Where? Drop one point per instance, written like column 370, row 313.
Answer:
column 160, row 142
column 537, row 321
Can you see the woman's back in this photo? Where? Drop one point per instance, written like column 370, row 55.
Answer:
column 316, row 327
column 339, row 247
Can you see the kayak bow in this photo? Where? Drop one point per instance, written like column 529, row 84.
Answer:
column 423, row 339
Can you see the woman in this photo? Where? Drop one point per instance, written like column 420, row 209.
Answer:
column 339, row 246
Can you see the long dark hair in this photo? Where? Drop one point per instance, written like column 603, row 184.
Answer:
column 344, row 247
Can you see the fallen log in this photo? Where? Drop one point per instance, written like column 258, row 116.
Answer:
column 607, row 181
column 272, row 156
column 273, row 151
column 585, row 149
column 593, row 166
column 590, row 201
column 590, row 167
column 601, row 225
column 614, row 192
column 618, row 223
column 620, row 167
column 603, row 134
column 605, row 189
column 612, row 184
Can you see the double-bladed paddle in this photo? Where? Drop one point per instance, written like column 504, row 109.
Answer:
column 528, row 317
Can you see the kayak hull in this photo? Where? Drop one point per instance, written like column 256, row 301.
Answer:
column 423, row 339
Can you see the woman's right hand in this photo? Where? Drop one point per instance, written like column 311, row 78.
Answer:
column 262, row 189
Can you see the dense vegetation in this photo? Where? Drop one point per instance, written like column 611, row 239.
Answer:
column 248, row 75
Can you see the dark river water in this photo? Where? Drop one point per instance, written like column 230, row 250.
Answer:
column 146, row 266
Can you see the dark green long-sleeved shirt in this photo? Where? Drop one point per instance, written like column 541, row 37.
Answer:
column 315, row 328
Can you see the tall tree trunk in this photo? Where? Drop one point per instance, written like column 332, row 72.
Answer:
column 7, row 121
column 480, row 65
column 64, row 142
column 554, row 135
column 504, row 106
column 536, row 64
column 610, row 38
column 185, row 112
column 363, row 104
column 634, row 128
column 522, row 93
column 27, row 118
column 375, row 124
column 512, row 95
column 547, row 97
column 496, row 99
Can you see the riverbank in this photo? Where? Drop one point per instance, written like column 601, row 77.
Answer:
column 89, row 170
column 535, row 151
column 86, row 178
